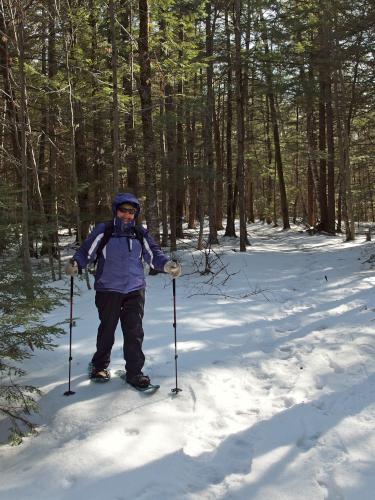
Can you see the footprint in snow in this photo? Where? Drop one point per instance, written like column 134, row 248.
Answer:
column 67, row 482
column 286, row 352
column 286, row 329
column 289, row 402
column 335, row 366
column 131, row 432
column 305, row 443
column 250, row 411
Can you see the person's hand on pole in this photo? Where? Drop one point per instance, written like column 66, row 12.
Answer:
column 71, row 268
column 173, row 269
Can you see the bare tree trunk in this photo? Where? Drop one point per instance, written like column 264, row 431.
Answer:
column 52, row 168
column 19, row 39
column 322, row 153
column 8, row 94
column 249, row 195
column 171, row 159
column 127, row 86
column 270, row 208
column 81, row 168
column 115, row 112
column 210, row 29
column 151, row 208
column 192, row 174
column 240, row 126
column 345, row 167
column 180, row 158
column 312, row 169
column 97, row 191
column 163, row 172
column 69, row 42
column 219, row 168
column 310, row 196
column 276, row 137
column 331, row 161
column 230, row 227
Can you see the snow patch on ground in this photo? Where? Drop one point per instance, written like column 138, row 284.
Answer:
column 277, row 368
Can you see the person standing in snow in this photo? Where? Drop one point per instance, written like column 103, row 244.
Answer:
column 120, row 285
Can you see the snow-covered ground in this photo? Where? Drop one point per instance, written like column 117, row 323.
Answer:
column 277, row 368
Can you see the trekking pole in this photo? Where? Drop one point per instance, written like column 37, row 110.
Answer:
column 69, row 392
column 176, row 390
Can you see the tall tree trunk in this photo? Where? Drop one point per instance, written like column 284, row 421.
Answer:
column 151, row 208
column 163, row 171
column 8, row 94
column 171, row 146
column 190, row 149
column 230, row 227
column 170, row 114
column 115, row 111
column 52, row 206
column 345, row 167
column 330, row 161
column 97, row 191
column 219, row 168
column 180, row 159
column 312, row 168
column 69, row 43
column 210, row 30
column 270, row 189
column 322, row 153
column 19, row 38
column 42, row 166
column 276, row 137
column 127, row 86
column 81, row 168
column 249, row 197
column 310, row 195
column 240, row 126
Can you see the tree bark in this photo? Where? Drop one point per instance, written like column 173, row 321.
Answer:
column 97, row 191
column 330, row 161
column 170, row 113
column 219, row 168
column 19, row 39
column 180, row 158
column 163, row 171
column 322, row 153
column 190, row 149
column 151, row 205
column 208, row 139
column 276, row 136
column 127, row 87
column 230, row 227
column 115, row 110
column 240, row 126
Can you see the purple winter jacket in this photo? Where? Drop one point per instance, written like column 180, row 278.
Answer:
column 119, row 267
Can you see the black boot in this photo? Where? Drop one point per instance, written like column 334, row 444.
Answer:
column 139, row 381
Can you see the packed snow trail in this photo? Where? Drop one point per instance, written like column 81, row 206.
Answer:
column 277, row 368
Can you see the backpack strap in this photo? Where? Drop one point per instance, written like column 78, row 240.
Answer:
column 108, row 231
column 139, row 233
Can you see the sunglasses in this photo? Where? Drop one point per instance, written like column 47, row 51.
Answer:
column 125, row 210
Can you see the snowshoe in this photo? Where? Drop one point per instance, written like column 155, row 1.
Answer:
column 96, row 375
column 140, row 382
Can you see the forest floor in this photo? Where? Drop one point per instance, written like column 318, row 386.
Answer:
column 277, row 370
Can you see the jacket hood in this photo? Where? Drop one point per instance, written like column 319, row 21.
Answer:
column 121, row 198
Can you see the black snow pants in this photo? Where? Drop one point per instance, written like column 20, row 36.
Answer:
column 128, row 308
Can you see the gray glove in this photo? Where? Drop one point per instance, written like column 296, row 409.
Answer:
column 71, row 268
column 173, row 269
